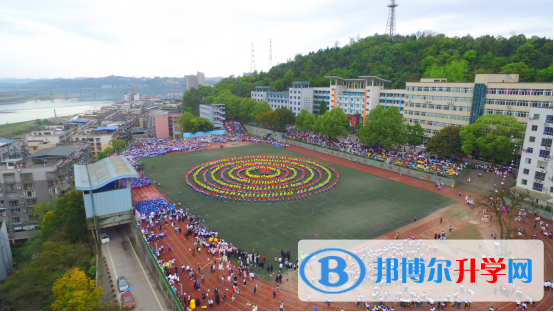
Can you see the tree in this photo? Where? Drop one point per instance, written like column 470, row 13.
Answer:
column 199, row 124
column 384, row 127
column 414, row 134
column 105, row 153
column 283, row 117
column 322, row 107
column 445, row 143
column 493, row 135
column 526, row 74
column 265, row 118
column 117, row 145
column 309, row 122
column 504, row 204
column 257, row 108
column 185, row 122
column 76, row 292
column 65, row 214
column 333, row 124
column 301, row 118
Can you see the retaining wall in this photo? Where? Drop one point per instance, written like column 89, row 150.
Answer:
column 448, row 181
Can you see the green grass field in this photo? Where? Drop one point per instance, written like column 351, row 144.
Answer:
column 362, row 206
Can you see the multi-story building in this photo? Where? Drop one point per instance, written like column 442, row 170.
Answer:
column 436, row 103
column 53, row 133
column 260, row 93
column 10, row 149
column 535, row 168
column 37, row 178
column 190, row 82
column 301, row 96
column 6, row 258
column 98, row 140
column 200, row 79
column 321, row 94
column 214, row 113
column 160, row 123
column 131, row 96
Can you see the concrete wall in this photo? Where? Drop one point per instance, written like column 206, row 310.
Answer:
column 362, row 160
column 154, row 268
column 6, row 260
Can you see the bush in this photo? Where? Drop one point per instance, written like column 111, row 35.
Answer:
column 92, row 271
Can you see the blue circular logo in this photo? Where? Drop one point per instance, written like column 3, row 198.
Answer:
column 358, row 282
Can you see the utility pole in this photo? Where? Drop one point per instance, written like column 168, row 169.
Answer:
column 391, row 21
column 252, row 62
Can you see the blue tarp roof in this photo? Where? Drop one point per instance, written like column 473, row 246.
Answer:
column 7, row 141
column 77, row 121
column 108, row 128
column 95, row 176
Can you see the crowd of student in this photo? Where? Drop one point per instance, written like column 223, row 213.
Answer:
column 417, row 160
column 137, row 183
column 234, row 127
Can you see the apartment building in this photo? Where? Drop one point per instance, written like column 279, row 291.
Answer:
column 10, row 149
column 301, row 96
column 6, row 257
column 260, row 93
column 159, row 123
column 214, row 113
column 131, row 96
column 37, row 178
column 535, row 169
column 98, row 140
column 54, row 133
column 436, row 103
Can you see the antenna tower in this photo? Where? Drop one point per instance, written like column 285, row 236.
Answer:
column 252, row 62
column 391, row 22
column 270, row 60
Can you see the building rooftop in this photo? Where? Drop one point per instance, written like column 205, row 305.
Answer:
column 361, row 78
column 94, row 176
column 58, row 151
column 300, row 83
column 262, row 87
column 111, row 128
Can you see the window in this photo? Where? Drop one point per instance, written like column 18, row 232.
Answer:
column 31, row 201
column 529, row 150
column 527, row 160
column 546, row 142
column 537, row 186
column 30, row 194
column 532, row 139
column 10, row 187
column 16, row 219
column 548, row 130
column 536, row 116
column 542, row 164
column 53, row 191
column 544, row 153
column 28, row 186
column 525, row 171
column 9, row 178
column 523, row 182
column 13, row 203
column 540, row 175
column 15, row 210
column 26, row 177
column 534, row 128
column 13, row 195
column 51, row 175
column 548, row 118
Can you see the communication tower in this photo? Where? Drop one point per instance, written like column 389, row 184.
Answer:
column 252, row 62
column 270, row 60
column 391, row 22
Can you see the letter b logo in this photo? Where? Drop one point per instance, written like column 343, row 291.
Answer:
column 338, row 269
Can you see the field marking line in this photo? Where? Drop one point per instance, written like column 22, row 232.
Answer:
column 143, row 272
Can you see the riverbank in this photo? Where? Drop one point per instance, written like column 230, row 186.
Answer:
column 17, row 98
column 20, row 129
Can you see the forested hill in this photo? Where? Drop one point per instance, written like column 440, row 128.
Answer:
column 409, row 58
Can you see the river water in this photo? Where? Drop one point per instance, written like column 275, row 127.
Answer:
column 42, row 109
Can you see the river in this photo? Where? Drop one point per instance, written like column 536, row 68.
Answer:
column 42, row 109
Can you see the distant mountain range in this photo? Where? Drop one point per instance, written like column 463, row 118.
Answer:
column 30, row 80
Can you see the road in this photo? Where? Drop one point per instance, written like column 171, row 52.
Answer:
column 123, row 260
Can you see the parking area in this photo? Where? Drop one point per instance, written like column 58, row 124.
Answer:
column 122, row 259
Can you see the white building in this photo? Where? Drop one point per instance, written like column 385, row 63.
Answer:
column 535, row 169
column 132, row 95
column 214, row 113
column 301, row 96
column 6, row 259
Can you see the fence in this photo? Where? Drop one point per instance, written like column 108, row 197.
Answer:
column 155, row 270
column 378, row 163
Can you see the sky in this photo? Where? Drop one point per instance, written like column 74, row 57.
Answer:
column 60, row 38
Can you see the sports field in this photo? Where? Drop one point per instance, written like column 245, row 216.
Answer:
column 362, row 206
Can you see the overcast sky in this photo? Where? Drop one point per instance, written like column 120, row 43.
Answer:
column 57, row 38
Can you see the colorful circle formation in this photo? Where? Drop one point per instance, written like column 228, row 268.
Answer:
column 262, row 179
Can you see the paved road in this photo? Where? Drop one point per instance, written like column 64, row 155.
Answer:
column 123, row 260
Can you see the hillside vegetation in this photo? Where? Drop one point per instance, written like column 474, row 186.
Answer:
column 408, row 58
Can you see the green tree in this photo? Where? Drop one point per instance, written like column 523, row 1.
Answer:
column 493, row 136
column 333, row 124
column 300, row 119
column 525, row 73
column 185, row 122
column 445, row 143
column 414, row 134
column 265, row 118
column 384, row 127
column 545, row 75
column 322, row 107
column 257, row 108
column 283, row 117
column 105, row 153
column 199, row 124
column 117, row 145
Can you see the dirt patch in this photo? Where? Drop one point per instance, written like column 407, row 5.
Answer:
column 457, row 213
column 469, row 231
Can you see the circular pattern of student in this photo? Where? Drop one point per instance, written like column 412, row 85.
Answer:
column 262, row 179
